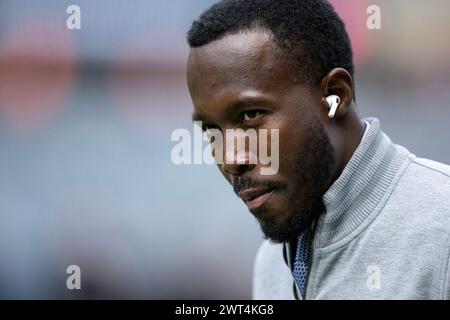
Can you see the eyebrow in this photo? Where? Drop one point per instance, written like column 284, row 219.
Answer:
column 237, row 104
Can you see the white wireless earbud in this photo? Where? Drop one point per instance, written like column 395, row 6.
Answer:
column 333, row 104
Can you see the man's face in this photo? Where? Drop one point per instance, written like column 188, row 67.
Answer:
column 243, row 81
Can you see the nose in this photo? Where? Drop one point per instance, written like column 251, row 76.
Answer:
column 237, row 162
column 236, row 169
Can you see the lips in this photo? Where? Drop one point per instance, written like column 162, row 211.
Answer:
column 255, row 198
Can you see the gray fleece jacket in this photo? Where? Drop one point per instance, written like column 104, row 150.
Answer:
column 385, row 233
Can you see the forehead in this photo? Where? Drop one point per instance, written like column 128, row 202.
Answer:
column 246, row 61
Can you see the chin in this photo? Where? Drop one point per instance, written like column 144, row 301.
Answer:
column 277, row 227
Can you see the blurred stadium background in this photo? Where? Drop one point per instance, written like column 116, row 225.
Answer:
column 85, row 123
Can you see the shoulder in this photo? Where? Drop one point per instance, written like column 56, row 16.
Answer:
column 427, row 181
column 431, row 165
column 419, row 205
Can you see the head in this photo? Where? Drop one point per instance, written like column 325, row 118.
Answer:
column 266, row 64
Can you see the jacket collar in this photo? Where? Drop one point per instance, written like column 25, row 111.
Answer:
column 363, row 183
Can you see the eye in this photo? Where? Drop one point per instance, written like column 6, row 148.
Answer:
column 207, row 128
column 251, row 115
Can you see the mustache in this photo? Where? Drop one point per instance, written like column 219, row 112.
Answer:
column 244, row 183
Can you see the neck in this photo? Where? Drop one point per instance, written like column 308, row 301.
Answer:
column 351, row 132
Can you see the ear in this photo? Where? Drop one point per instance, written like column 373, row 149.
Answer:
column 339, row 82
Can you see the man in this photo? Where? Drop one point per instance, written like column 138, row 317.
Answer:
column 349, row 215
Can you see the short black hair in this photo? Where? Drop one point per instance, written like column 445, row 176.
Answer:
column 309, row 31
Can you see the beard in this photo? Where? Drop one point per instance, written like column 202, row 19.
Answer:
column 312, row 172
